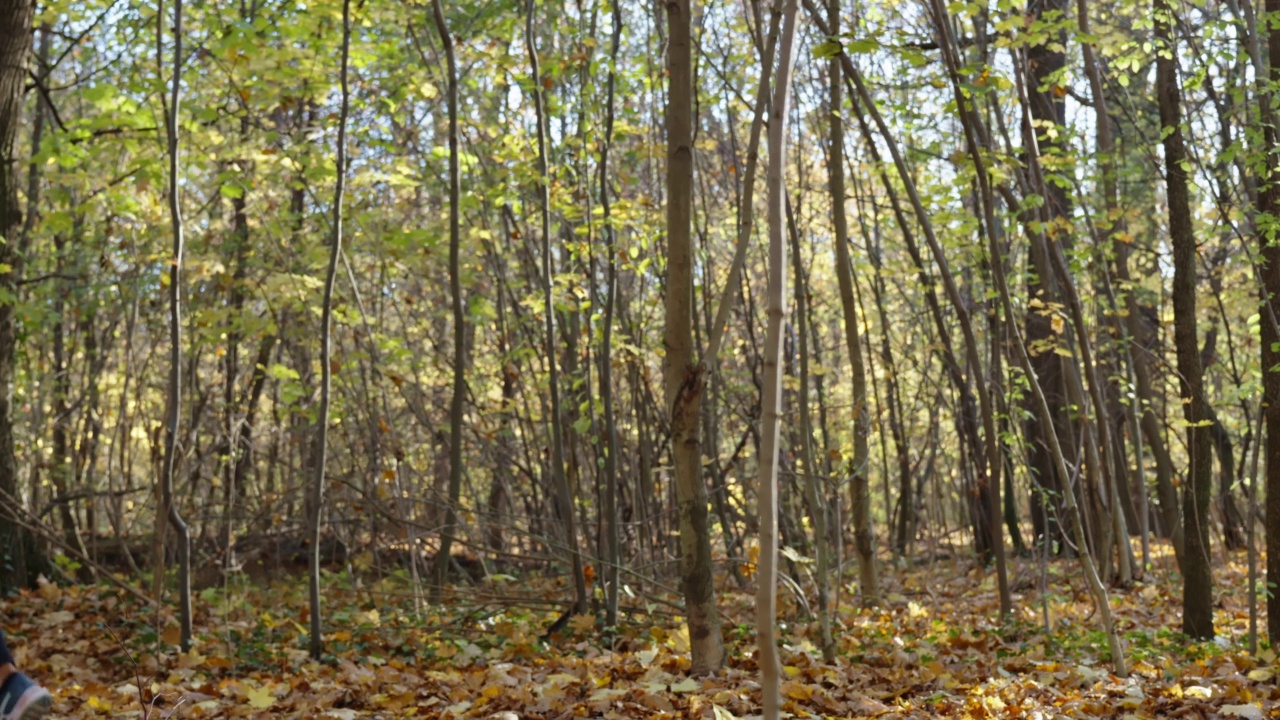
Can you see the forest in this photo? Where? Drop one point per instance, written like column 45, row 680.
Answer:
column 627, row 359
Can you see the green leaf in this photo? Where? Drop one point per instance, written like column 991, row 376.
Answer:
column 864, row 46
column 827, row 49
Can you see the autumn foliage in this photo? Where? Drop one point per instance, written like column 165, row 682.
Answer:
column 932, row 649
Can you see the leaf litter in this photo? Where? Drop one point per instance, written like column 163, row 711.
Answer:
column 931, row 650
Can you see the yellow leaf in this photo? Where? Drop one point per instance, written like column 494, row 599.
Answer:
column 797, row 691
column 191, row 659
column 583, row 624
column 260, row 698
column 686, row 685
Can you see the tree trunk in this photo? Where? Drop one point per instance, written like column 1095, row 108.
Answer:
column 459, row 319
column 1269, row 198
column 613, row 538
column 684, row 378
column 1197, row 575
column 560, row 480
column 316, row 504
column 771, row 397
column 174, row 412
column 815, row 480
column 1045, row 61
column 15, row 51
column 864, row 536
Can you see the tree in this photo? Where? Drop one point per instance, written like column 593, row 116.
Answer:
column 771, row 396
column 1269, row 330
column 15, row 51
column 173, row 416
column 459, row 319
column 613, row 536
column 316, row 505
column 684, row 378
column 1197, row 568
column 567, row 504
column 859, row 486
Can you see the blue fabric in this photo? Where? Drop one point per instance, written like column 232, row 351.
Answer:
column 11, row 691
column 22, row 699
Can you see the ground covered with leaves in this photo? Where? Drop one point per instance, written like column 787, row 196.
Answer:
column 934, row 648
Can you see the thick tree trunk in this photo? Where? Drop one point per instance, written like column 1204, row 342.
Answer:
column 1044, row 64
column 1269, row 197
column 15, row 51
column 684, row 377
column 1197, row 575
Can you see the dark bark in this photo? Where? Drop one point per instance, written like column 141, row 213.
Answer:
column 1045, row 62
column 15, row 51
column 1269, row 201
column 459, row 319
column 1197, row 594
column 173, row 414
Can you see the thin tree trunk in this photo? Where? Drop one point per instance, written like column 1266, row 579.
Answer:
column 746, row 204
column 316, row 504
column 1100, row 449
column 557, row 433
column 60, row 470
column 459, row 319
column 814, row 479
column 1107, row 153
column 613, row 553
column 859, row 487
column 901, row 524
column 175, row 326
column 991, row 441
column 771, row 397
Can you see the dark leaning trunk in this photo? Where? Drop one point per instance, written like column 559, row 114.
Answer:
column 19, row 556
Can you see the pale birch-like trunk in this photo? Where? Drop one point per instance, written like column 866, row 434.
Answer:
column 771, row 397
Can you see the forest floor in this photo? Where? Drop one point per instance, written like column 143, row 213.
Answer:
column 934, row 648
